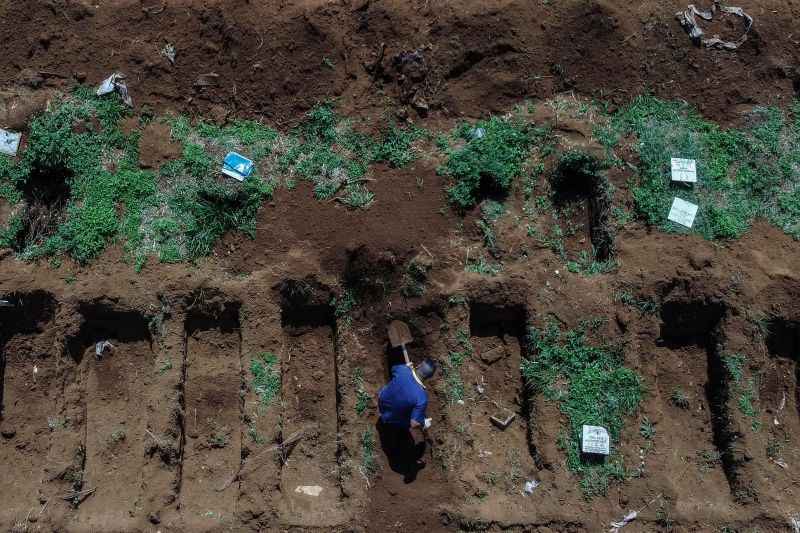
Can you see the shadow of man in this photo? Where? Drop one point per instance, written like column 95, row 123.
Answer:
column 403, row 454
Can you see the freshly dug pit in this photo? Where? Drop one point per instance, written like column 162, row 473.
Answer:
column 692, row 328
column 213, row 409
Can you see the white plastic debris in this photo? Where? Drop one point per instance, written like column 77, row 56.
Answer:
column 309, row 490
column 684, row 170
column 682, row 212
column 616, row 526
column 169, row 52
column 9, row 142
column 101, row 347
column 116, row 82
column 237, row 166
column 6, row 303
column 530, row 486
column 689, row 22
column 428, row 422
column 460, row 402
column 794, row 521
column 477, row 133
column 595, row 440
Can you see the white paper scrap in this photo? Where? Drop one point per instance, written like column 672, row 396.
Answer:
column 309, row 490
column 684, row 170
column 682, row 212
column 9, row 142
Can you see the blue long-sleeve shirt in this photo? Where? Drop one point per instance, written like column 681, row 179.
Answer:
column 402, row 399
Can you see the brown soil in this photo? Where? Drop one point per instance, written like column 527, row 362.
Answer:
column 165, row 431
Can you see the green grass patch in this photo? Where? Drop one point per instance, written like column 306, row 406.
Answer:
column 369, row 465
column 491, row 154
column 266, row 377
column 363, row 399
column 451, row 370
column 742, row 173
column 591, row 386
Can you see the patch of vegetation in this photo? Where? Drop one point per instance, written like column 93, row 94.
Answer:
column 707, row 460
column 369, row 465
column 734, row 364
column 396, row 145
column 483, row 267
column 451, row 370
column 588, row 264
column 415, row 278
column 591, row 386
column 266, row 377
column 679, row 399
column 645, row 306
column 647, row 429
column 491, row 156
column 342, row 306
column 362, row 398
column 742, row 173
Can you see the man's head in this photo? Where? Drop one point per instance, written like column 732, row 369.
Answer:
column 426, row 369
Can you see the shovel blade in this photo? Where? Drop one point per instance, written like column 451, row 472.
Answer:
column 399, row 334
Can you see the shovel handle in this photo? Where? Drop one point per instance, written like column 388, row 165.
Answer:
column 405, row 354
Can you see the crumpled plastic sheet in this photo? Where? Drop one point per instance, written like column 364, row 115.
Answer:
column 100, row 348
column 689, row 23
column 616, row 526
column 116, row 82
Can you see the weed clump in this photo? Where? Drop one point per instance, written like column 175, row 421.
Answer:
column 591, row 386
column 266, row 381
column 492, row 155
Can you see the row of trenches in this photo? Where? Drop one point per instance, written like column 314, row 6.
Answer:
column 164, row 424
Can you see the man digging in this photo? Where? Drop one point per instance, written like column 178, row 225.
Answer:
column 401, row 405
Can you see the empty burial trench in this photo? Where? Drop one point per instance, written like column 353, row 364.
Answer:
column 690, row 360
column 212, row 410
column 46, row 193
column 783, row 343
column 310, row 404
column 112, row 387
column 26, row 400
column 584, row 196
column 492, row 378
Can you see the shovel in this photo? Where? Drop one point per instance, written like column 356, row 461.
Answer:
column 399, row 336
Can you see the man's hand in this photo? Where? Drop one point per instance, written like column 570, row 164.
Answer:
column 417, row 431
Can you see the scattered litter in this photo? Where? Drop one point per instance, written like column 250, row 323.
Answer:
column 502, row 423
column 477, row 133
column 169, row 52
column 309, row 490
column 616, row 526
column 780, row 408
column 460, row 402
column 595, row 440
column 428, row 423
column 682, row 212
column 116, row 82
column 9, row 142
column 794, row 521
column 530, row 486
column 684, row 170
column 482, row 454
column 100, row 348
column 6, row 303
column 237, row 166
column 781, row 463
column 689, row 22
column 480, row 388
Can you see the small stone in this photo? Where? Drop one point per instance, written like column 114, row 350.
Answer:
column 80, row 76
column 700, row 259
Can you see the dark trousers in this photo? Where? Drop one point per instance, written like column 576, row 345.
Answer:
column 403, row 454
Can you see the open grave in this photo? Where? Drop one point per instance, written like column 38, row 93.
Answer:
column 212, row 420
column 781, row 389
column 488, row 409
column 113, row 355
column 309, row 477
column 582, row 197
column 46, row 194
column 693, row 389
column 29, row 390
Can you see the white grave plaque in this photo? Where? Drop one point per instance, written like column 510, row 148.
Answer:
column 595, row 440
column 9, row 142
column 682, row 212
column 684, row 170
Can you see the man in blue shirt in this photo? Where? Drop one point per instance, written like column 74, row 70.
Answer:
column 402, row 404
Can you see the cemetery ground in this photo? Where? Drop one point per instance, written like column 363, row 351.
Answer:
column 413, row 162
